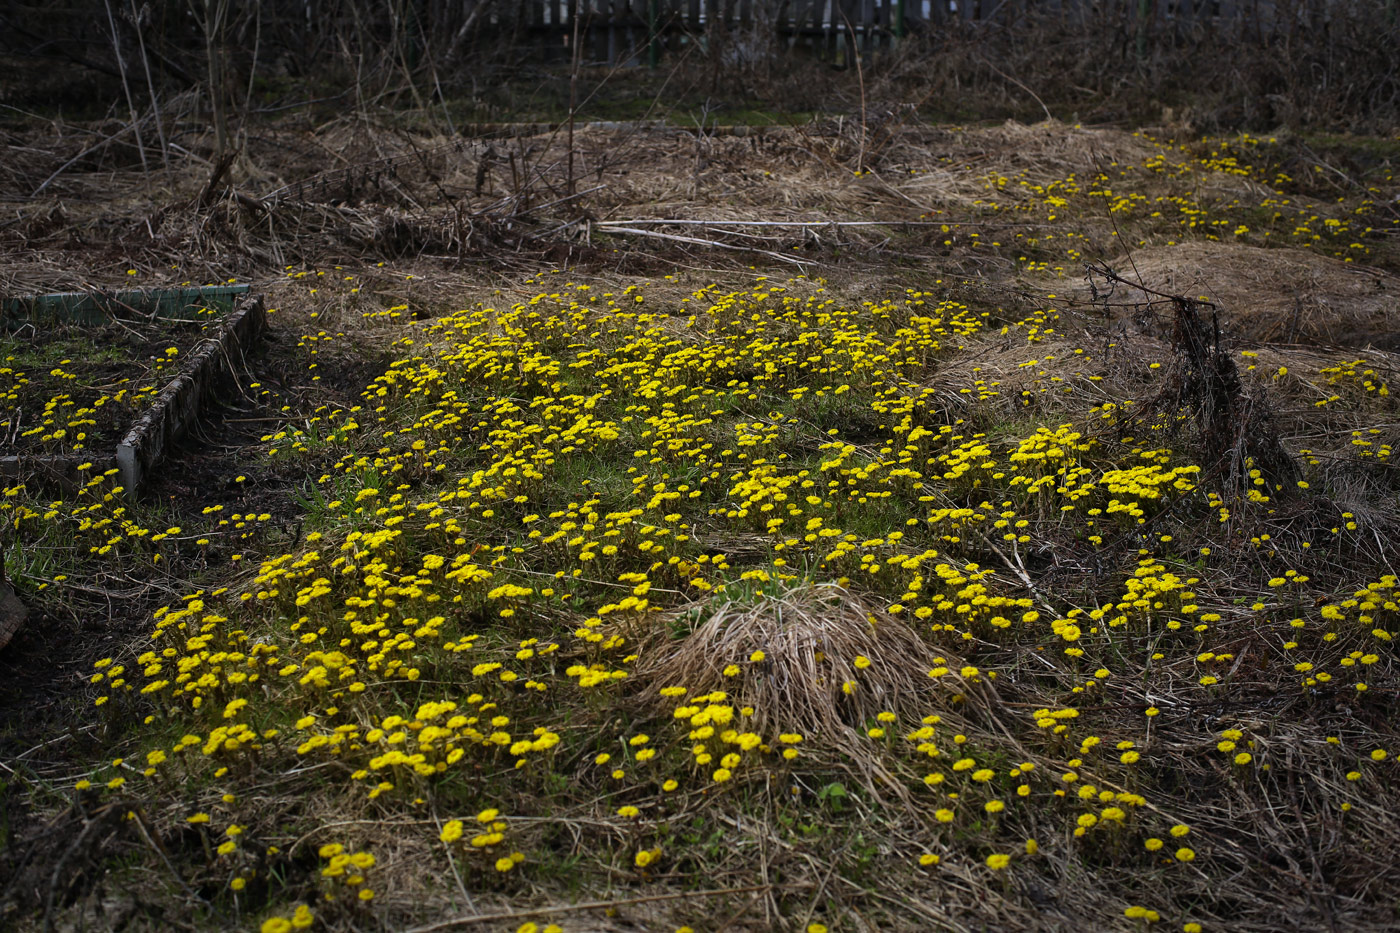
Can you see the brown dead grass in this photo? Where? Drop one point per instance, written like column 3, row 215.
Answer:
column 1055, row 381
column 811, row 637
column 1284, row 295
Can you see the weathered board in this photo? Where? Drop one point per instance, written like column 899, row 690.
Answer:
column 100, row 305
column 178, row 405
column 175, row 409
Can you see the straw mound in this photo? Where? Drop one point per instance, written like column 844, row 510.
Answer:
column 811, row 637
column 1052, row 149
column 1277, row 295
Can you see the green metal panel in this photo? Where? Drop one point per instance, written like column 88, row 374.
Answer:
column 96, row 307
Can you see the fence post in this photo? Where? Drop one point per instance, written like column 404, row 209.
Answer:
column 1142, row 12
column 898, row 19
column 653, row 52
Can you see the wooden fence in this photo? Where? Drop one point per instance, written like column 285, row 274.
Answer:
column 640, row 31
column 304, row 35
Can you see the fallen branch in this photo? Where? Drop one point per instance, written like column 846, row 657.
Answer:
column 699, row 242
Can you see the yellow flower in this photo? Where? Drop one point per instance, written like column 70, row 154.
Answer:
column 452, row 831
column 997, row 861
column 1137, row 912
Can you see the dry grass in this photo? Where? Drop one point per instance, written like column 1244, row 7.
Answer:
column 993, row 380
column 1277, row 295
column 810, row 637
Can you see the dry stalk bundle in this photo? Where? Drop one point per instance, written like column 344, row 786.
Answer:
column 830, row 662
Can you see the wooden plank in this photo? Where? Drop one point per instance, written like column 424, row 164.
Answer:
column 816, row 32
column 177, row 406
column 96, row 307
column 610, row 12
column 795, row 18
column 789, row 15
column 840, row 45
column 1266, row 17
column 594, row 38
